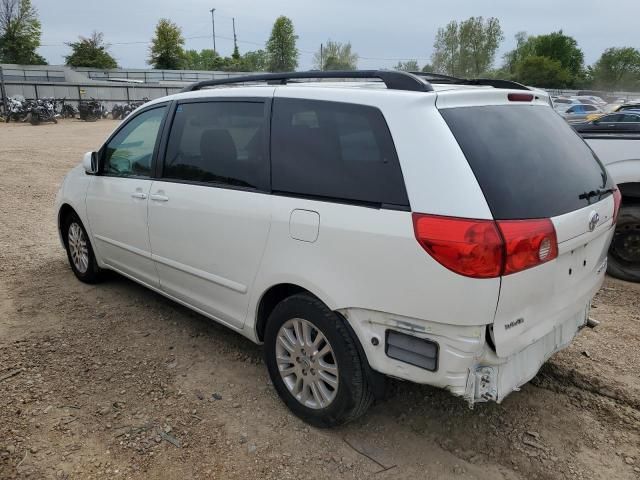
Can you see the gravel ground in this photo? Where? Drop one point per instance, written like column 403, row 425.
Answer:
column 114, row 381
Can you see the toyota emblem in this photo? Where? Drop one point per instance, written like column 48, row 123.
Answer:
column 594, row 218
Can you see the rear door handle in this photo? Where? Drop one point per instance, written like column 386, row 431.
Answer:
column 140, row 195
column 159, row 198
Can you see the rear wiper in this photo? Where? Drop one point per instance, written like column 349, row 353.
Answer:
column 595, row 193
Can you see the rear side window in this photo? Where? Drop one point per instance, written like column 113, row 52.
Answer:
column 334, row 151
column 528, row 161
column 220, row 143
column 612, row 118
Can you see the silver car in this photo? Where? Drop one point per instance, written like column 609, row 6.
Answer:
column 578, row 113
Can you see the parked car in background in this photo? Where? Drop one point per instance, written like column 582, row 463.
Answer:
column 591, row 99
column 620, row 153
column 627, row 106
column 580, row 112
column 561, row 104
column 356, row 229
column 626, row 122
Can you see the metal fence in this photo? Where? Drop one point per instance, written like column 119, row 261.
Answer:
column 154, row 76
column 74, row 92
column 18, row 73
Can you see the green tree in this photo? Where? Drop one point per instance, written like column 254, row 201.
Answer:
column 166, row 51
column 524, row 48
column 282, row 54
column 192, row 60
column 544, row 72
column 428, row 68
column 562, row 48
column 90, row 52
column 479, row 41
column 19, row 33
column 335, row 56
column 255, row 61
column 446, row 50
column 467, row 48
column 554, row 46
column 408, row 66
column 207, row 59
column 617, row 69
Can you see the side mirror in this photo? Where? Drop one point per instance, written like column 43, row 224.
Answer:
column 90, row 163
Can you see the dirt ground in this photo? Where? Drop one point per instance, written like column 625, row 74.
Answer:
column 114, row 381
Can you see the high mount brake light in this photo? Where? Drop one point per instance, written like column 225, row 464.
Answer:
column 486, row 248
column 520, row 97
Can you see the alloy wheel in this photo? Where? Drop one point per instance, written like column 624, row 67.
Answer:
column 307, row 363
column 78, row 248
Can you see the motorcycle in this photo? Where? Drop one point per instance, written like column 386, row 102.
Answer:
column 120, row 111
column 42, row 111
column 90, row 110
column 66, row 109
column 117, row 111
column 15, row 111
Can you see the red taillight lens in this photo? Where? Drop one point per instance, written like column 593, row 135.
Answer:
column 528, row 243
column 469, row 247
column 617, row 200
column 485, row 248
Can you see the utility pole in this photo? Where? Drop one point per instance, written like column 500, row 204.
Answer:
column 235, row 39
column 321, row 58
column 213, row 26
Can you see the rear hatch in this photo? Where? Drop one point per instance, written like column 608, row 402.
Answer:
column 532, row 166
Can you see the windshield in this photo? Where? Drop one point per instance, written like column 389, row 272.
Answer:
column 528, row 161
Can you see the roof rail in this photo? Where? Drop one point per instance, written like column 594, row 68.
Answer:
column 438, row 77
column 490, row 82
column 394, row 80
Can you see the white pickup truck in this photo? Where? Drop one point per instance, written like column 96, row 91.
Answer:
column 620, row 153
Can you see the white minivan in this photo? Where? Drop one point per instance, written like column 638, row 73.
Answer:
column 442, row 231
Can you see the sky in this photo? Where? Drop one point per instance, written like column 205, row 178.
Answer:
column 382, row 32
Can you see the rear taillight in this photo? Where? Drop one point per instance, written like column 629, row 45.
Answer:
column 528, row 243
column 485, row 248
column 472, row 248
column 617, row 200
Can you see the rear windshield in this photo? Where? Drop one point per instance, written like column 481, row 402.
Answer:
column 528, row 161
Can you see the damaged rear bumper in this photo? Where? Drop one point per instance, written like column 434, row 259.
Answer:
column 465, row 365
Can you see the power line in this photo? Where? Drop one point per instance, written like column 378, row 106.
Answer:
column 249, row 42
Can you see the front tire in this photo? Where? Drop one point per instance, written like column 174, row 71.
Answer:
column 624, row 253
column 314, row 363
column 79, row 251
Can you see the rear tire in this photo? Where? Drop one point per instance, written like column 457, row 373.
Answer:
column 624, row 253
column 324, row 390
column 79, row 251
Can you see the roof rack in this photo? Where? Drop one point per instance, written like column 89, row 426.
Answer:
column 394, row 80
column 490, row 82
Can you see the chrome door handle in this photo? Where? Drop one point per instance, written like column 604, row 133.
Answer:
column 141, row 195
column 159, row 198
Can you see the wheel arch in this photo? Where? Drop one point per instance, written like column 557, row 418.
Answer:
column 63, row 212
column 268, row 301
column 278, row 292
column 630, row 192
